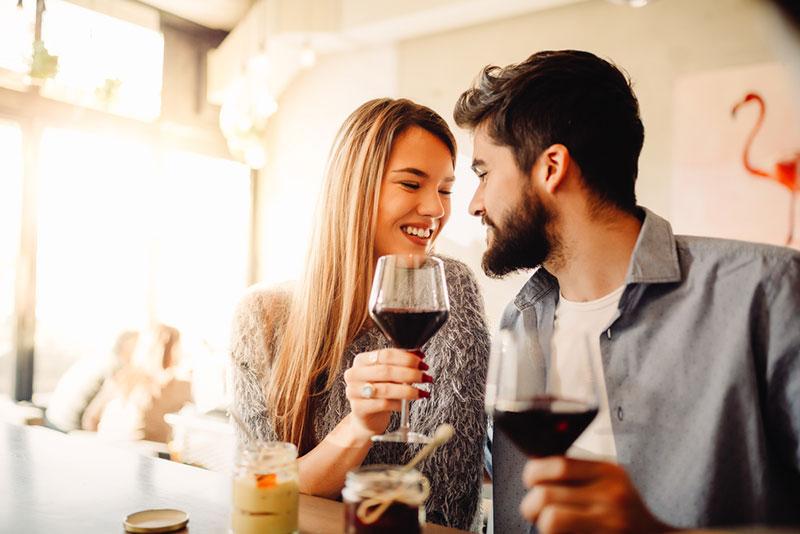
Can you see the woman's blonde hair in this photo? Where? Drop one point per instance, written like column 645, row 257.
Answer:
column 329, row 305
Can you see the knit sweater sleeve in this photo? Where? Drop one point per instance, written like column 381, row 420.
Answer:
column 456, row 470
column 253, row 338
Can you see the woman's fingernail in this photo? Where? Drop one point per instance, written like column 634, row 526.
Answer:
column 418, row 353
column 427, row 378
column 423, row 366
column 424, row 394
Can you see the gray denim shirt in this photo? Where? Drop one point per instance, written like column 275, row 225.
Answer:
column 702, row 368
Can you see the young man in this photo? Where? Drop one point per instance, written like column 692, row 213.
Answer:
column 698, row 339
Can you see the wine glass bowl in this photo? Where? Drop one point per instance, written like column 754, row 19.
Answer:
column 409, row 303
column 540, row 413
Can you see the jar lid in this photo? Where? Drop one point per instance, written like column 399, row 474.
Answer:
column 156, row 520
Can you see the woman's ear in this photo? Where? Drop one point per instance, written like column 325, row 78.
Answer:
column 550, row 168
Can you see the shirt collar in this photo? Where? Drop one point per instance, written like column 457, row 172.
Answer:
column 655, row 256
column 654, row 261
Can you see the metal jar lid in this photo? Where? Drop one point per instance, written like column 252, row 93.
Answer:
column 157, row 520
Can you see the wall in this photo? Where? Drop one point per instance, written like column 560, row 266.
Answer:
column 656, row 45
column 300, row 135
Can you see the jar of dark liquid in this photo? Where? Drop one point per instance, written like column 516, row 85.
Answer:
column 383, row 499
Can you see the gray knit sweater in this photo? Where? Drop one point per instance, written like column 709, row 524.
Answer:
column 457, row 356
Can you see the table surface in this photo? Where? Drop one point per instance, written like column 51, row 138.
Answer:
column 51, row 482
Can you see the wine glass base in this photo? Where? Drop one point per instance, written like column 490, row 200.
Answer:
column 402, row 437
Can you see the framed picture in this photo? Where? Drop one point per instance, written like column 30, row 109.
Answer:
column 737, row 155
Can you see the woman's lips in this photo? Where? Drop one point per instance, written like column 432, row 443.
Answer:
column 418, row 240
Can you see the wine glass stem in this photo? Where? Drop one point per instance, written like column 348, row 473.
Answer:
column 403, row 417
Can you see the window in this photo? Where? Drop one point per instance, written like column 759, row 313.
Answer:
column 104, row 62
column 10, row 216
column 128, row 235
column 202, row 244
column 16, row 42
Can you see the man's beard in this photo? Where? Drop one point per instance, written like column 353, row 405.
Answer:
column 524, row 241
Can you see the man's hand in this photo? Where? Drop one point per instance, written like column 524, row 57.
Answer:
column 573, row 496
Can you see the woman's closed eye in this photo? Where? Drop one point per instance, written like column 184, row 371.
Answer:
column 410, row 185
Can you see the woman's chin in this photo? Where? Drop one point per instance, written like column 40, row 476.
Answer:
column 415, row 249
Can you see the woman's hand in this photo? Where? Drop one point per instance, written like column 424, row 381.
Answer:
column 377, row 382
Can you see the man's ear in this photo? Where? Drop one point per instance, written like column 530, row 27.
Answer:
column 550, row 169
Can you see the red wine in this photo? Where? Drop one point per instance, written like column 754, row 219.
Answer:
column 399, row 518
column 544, row 426
column 410, row 329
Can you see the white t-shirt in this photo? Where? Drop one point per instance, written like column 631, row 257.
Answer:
column 577, row 328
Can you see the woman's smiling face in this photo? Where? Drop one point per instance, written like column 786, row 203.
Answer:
column 414, row 202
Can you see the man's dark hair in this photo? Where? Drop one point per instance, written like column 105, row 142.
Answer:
column 569, row 97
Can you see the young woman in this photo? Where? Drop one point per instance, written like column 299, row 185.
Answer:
column 302, row 355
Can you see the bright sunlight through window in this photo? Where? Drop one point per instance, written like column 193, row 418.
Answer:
column 10, row 203
column 125, row 237
column 104, row 62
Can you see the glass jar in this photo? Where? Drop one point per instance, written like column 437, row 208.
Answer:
column 265, row 489
column 384, row 499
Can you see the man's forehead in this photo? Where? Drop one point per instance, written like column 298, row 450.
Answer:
column 482, row 132
column 485, row 147
column 480, row 141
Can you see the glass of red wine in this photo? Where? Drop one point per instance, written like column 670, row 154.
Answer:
column 409, row 303
column 541, row 411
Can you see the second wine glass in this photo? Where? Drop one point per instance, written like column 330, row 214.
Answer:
column 409, row 303
column 541, row 410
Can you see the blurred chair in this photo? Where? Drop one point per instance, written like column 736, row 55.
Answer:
column 205, row 440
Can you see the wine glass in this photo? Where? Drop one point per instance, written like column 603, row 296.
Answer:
column 409, row 304
column 542, row 409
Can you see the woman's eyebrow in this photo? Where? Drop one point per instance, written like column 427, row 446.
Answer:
column 421, row 173
column 414, row 171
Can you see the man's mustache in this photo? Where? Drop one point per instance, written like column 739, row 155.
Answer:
column 486, row 221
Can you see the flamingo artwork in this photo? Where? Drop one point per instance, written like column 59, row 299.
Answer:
column 784, row 172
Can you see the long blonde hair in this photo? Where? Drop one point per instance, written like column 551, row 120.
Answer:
column 329, row 305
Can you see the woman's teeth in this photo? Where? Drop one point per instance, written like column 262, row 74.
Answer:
column 418, row 232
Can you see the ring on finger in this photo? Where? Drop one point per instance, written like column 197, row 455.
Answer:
column 367, row 391
column 373, row 357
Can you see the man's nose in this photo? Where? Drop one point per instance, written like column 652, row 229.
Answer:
column 476, row 204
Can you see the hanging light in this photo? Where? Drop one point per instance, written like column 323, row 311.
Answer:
column 243, row 117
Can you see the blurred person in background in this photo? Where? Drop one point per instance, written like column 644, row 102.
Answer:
column 302, row 355
column 80, row 384
column 132, row 403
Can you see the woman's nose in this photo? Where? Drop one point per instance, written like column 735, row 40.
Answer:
column 431, row 205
